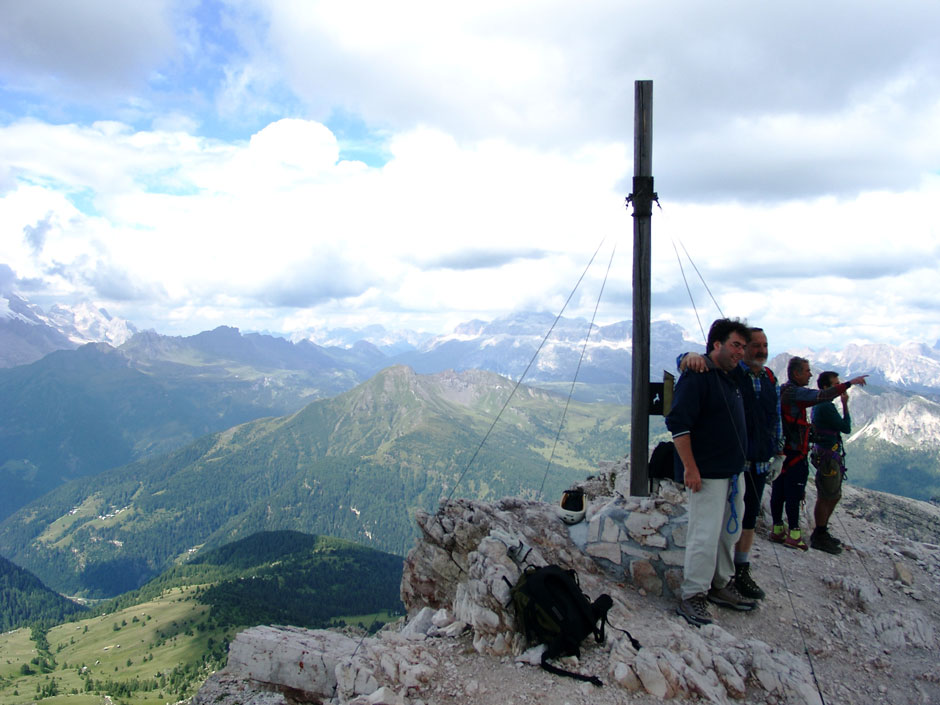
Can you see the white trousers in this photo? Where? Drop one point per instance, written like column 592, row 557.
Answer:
column 709, row 549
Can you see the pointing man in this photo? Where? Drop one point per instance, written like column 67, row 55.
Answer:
column 787, row 491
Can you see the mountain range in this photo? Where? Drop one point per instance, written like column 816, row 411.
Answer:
column 77, row 412
column 106, row 452
column 27, row 333
column 129, row 461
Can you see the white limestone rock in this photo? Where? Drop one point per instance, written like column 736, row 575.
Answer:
column 647, row 670
column 609, row 551
column 302, row 659
column 355, row 677
column 419, row 625
column 624, row 676
column 442, row 618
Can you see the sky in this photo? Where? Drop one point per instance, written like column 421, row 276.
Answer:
column 285, row 165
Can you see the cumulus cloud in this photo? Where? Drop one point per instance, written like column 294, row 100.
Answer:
column 111, row 283
column 795, row 160
column 752, row 102
column 325, row 277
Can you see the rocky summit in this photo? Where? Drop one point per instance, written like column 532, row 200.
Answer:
column 862, row 626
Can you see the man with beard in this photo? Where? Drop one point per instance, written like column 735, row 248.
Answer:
column 708, row 428
column 761, row 395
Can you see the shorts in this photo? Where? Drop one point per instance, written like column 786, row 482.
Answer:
column 753, row 491
column 829, row 473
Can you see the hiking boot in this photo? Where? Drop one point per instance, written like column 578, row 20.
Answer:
column 728, row 596
column 745, row 583
column 795, row 540
column 695, row 610
column 823, row 541
column 825, row 530
column 779, row 533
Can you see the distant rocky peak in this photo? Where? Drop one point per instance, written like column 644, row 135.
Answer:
column 17, row 308
column 910, row 365
column 86, row 323
column 471, row 328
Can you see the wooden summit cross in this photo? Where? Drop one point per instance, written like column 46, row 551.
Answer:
column 642, row 199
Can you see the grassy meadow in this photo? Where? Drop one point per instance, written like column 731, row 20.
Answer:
column 151, row 653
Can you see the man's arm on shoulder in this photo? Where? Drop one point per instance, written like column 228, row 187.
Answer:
column 691, row 362
column 686, row 403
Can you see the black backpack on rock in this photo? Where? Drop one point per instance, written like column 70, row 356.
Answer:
column 662, row 464
column 552, row 610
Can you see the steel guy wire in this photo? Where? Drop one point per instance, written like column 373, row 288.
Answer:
column 574, row 381
column 704, row 283
column 519, row 381
column 799, row 625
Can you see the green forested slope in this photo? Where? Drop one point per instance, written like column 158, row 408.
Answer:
column 356, row 466
column 908, row 472
column 24, row 599
column 281, row 577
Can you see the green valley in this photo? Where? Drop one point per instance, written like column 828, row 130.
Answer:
column 159, row 643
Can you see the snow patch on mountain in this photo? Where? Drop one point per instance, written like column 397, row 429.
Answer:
column 15, row 308
column 82, row 323
column 86, row 323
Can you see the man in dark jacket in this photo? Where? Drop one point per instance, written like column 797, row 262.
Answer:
column 761, row 395
column 710, row 434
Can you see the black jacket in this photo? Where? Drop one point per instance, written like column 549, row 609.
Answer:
column 709, row 406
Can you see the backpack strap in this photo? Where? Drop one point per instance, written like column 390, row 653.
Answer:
column 633, row 642
column 599, row 609
column 555, row 650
